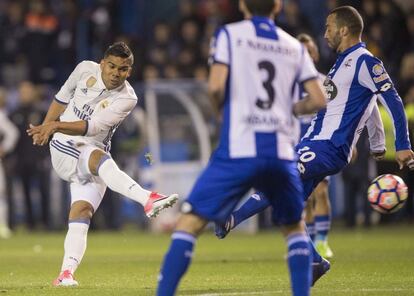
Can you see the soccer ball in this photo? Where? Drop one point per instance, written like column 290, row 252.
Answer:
column 387, row 193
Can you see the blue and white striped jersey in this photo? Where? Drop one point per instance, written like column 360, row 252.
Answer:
column 353, row 84
column 265, row 65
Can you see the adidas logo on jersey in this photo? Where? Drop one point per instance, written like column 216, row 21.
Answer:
column 84, row 90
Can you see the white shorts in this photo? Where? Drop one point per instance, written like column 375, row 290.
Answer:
column 70, row 160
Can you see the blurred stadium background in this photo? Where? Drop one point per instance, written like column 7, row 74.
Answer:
column 41, row 42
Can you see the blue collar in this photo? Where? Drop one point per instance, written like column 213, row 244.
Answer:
column 352, row 48
column 262, row 19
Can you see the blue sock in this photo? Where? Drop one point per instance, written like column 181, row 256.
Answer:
column 299, row 261
column 322, row 227
column 256, row 203
column 311, row 230
column 175, row 263
column 315, row 255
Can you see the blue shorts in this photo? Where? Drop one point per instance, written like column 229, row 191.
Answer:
column 225, row 181
column 317, row 160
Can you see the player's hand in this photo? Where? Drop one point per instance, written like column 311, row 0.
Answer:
column 41, row 133
column 405, row 157
column 378, row 155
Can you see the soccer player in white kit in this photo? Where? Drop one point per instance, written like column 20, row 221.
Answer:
column 92, row 103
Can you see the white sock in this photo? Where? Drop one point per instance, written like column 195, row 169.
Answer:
column 120, row 182
column 75, row 245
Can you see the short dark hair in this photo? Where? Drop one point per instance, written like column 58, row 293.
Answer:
column 119, row 49
column 303, row 38
column 260, row 7
column 347, row 16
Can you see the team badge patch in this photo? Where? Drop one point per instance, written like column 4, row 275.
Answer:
column 378, row 69
column 104, row 104
column 379, row 72
column 91, row 81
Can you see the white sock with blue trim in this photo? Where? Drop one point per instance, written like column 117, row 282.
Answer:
column 120, row 182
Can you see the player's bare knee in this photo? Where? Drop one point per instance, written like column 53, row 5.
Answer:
column 191, row 223
column 95, row 160
column 81, row 209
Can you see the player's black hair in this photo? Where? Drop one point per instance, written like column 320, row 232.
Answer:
column 347, row 16
column 260, row 7
column 119, row 49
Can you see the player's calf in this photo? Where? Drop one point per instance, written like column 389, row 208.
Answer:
column 120, row 182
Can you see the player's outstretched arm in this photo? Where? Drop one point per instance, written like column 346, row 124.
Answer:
column 315, row 100
column 390, row 98
column 373, row 76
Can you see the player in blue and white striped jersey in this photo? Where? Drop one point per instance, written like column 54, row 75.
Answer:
column 353, row 85
column 255, row 67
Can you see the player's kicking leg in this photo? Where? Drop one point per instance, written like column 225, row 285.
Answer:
column 86, row 199
column 104, row 166
column 254, row 205
column 322, row 219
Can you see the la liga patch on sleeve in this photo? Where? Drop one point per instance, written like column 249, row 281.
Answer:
column 379, row 73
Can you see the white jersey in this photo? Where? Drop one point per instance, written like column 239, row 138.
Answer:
column 88, row 99
column 265, row 65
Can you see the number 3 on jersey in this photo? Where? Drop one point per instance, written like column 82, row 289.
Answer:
column 268, row 85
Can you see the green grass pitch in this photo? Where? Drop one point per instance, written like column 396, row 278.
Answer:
column 378, row 261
